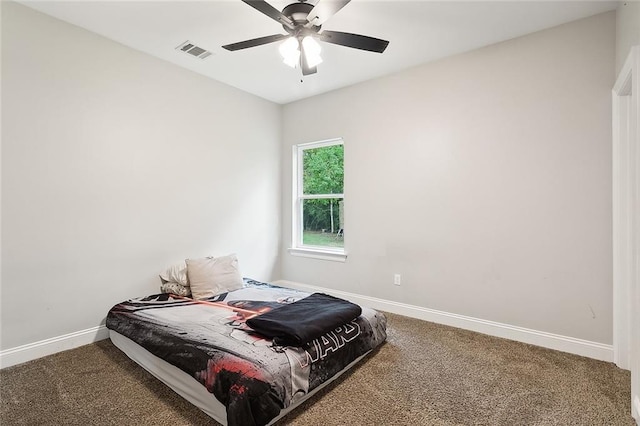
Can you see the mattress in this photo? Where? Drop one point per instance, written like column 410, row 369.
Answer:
column 206, row 353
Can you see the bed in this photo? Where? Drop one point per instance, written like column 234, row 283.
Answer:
column 206, row 351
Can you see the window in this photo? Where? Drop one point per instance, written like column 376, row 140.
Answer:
column 318, row 204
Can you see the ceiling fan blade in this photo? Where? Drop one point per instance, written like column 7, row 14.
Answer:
column 325, row 10
column 356, row 41
column 270, row 11
column 255, row 42
column 306, row 69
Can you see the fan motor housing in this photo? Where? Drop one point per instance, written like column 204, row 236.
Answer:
column 298, row 13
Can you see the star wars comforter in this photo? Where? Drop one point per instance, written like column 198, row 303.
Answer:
column 254, row 378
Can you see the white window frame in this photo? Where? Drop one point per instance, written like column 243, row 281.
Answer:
column 337, row 254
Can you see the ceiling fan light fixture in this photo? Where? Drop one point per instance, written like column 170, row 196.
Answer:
column 311, row 51
column 303, row 20
column 290, row 51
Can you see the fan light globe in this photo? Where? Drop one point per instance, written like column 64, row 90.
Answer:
column 290, row 51
column 311, row 51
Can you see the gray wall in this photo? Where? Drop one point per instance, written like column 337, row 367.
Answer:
column 484, row 179
column 116, row 164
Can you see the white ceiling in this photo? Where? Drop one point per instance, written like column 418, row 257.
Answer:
column 418, row 31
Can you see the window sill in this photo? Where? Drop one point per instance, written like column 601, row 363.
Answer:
column 319, row 254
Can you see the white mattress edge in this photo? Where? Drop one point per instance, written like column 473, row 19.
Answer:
column 182, row 383
column 189, row 388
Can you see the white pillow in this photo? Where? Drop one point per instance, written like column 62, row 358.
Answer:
column 213, row 275
column 176, row 274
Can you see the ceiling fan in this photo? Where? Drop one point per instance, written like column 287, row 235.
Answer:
column 303, row 21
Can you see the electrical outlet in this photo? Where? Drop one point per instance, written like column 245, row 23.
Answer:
column 397, row 279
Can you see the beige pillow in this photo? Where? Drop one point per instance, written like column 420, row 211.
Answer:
column 213, row 275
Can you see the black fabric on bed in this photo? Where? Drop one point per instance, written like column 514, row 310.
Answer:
column 304, row 320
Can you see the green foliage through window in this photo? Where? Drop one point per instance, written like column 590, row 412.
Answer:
column 323, row 170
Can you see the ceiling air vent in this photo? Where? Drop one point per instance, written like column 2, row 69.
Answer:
column 193, row 50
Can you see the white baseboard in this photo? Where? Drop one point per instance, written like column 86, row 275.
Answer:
column 31, row 351
column 572, row 345
column 558, row 342
column 636, row 409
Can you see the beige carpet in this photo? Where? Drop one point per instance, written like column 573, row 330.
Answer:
column 426, row 374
